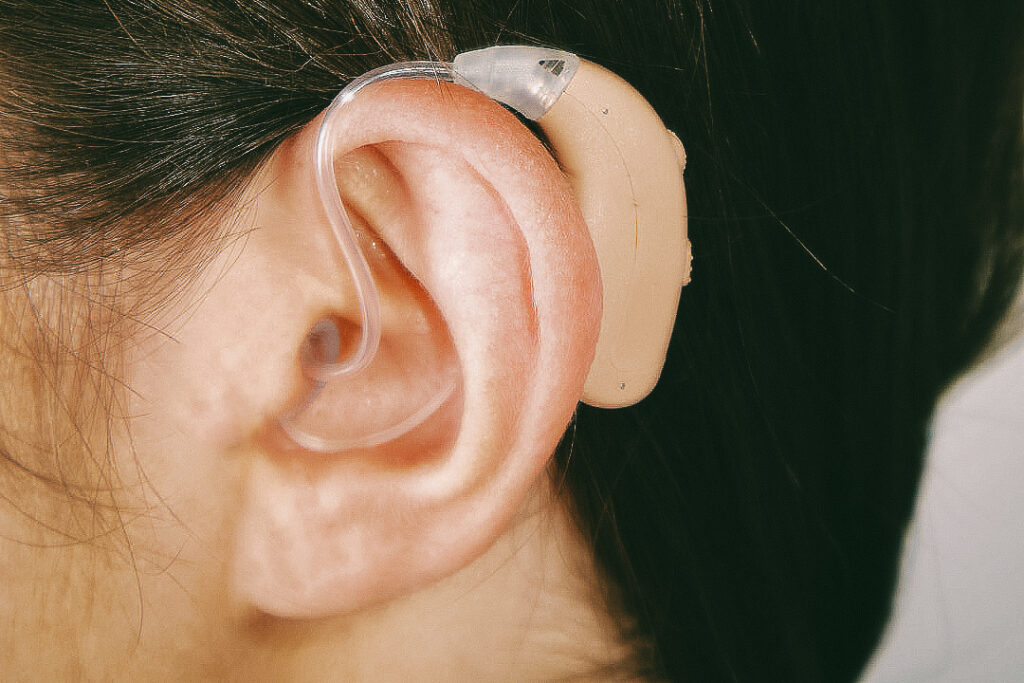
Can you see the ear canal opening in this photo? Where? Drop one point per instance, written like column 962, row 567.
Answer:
column 411, row 383
column 322, row 346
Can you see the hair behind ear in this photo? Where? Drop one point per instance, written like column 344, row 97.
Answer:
column 752, row 509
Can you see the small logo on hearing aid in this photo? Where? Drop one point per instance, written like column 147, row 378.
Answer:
column 554, row 66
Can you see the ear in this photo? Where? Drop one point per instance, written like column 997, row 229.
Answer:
column 482, row 249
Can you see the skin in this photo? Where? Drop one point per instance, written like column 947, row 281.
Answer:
column 472, row 568
column 525, row 610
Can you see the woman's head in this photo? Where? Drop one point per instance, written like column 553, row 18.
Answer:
column 849, row 185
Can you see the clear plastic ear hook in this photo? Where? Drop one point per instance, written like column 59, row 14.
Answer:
column 528, row 80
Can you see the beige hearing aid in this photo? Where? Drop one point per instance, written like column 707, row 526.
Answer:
column 626, row 170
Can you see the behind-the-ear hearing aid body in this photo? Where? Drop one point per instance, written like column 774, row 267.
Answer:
column 625, row 169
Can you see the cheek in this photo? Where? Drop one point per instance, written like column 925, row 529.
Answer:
column 222, row 359
column 178, row 444
column 179, row 434
column 188, row 378
column 180, row 396
column 184, row 387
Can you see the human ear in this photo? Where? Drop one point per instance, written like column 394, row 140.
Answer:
column 482, row 251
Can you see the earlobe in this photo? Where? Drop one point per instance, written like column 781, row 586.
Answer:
column 483, row 247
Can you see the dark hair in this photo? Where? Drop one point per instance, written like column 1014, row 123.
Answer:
column 855, row 207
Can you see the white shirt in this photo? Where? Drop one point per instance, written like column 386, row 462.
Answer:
column 958, row 614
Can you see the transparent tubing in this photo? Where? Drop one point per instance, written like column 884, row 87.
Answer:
column 327, row 186
column 324, row 340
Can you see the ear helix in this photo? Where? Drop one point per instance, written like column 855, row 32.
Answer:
column 626, row 171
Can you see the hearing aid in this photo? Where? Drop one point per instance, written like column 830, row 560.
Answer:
column 626, row 172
